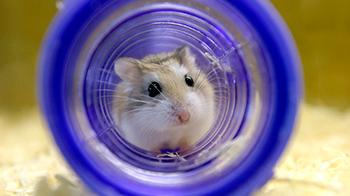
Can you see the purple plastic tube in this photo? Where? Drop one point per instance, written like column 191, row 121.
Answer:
column 243, row 44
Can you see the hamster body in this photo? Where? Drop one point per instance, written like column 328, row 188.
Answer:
column 164, row 101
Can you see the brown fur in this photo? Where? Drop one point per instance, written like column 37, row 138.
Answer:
column 159, row 64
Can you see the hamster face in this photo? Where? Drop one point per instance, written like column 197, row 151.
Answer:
column 164, row 101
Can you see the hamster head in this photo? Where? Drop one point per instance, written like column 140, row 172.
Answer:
column 163, row 93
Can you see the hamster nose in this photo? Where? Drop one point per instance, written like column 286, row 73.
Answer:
column 183, row 116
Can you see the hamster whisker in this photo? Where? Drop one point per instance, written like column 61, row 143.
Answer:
column 218, row 83
column 155, row 99
column 151, row 98
column 213, row 76
column 145, row 110
column 162, row 94
column 223, row 87
column 106, row 82
column 212, row 73
column 221, row 92
column 216, row 78
column 201, row 83
column 197, row 76
column 148, row 97
column 136, row 108
column 199, row 86
column 134, row 101
column 114, row 96
column 212, row 70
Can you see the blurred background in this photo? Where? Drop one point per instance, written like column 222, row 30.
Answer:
column 321, row 30
column 23, row 25
column 29, row 162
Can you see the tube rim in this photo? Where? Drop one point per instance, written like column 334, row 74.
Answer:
column 279, row 45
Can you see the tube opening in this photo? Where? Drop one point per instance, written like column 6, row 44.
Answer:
column 227, row 51
column 159, row 31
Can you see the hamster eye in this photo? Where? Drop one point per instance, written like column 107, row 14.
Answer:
column 154, row 89
column 189, row 81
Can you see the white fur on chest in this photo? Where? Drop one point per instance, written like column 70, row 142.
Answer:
column 139, row 135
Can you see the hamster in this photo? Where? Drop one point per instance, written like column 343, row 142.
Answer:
column 164, row 101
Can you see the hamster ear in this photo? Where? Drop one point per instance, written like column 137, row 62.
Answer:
column 185, row 56
column 128, row 69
